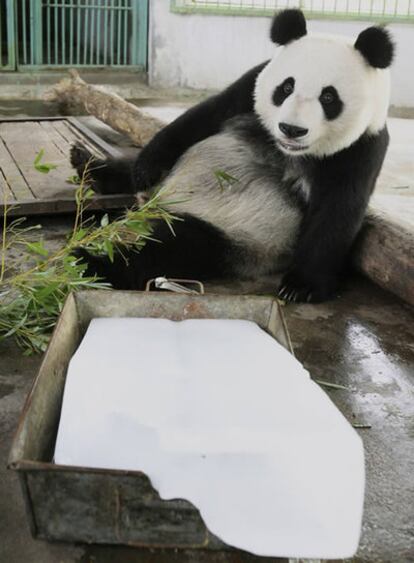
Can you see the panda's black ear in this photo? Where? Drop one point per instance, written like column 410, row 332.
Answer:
column 287, row 26
column 376, row 46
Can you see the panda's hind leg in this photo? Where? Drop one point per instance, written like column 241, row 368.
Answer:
column 195, row 250
column 105, row 176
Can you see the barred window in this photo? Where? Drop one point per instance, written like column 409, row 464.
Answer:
column 379, row 10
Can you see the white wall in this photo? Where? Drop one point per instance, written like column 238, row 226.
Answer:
column 209, row 52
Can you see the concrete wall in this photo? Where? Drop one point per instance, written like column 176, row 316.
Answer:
column 208, row 52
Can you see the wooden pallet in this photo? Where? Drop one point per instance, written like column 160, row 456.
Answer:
column 26, row 191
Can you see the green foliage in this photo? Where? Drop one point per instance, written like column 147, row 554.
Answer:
column 32, row 299
column 224, row 179
column 43, row 167
column 75, row 180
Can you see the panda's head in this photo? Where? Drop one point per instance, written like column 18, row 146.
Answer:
column 320, row 93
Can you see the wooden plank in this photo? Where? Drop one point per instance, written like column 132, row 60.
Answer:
column 61, row 143
column 97, row 142
column 29, row 191
column 68, row 205
column 24, row 142
column 6, row 195
column 72, row 135
column 13, row 175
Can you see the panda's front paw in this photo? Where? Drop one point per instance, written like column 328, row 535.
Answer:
column 80, row 157
column 298, row 288
column 90, row 169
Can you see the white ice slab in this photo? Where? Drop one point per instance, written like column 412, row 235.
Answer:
column 218, row 413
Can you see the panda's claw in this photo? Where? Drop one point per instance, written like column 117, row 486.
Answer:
column 294, row 289
column 289, row 295
column 281, row 292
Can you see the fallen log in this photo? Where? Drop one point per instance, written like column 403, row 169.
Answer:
column 106, row 106
column 383, row 250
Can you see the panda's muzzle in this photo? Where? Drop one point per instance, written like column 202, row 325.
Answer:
column 292, row 131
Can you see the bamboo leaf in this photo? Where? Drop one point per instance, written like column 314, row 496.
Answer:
column 37, row 248
column 75, row 180
column 44, row 167
column 109, row 247
column 32, row 299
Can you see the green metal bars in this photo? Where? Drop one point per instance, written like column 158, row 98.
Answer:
column 7, row 35
column 401, row 11
column 75, row 33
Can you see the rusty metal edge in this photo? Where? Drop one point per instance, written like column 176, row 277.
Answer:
column 285, row 327
column 33, row 466
column 27, row 498
column 13, row 459
column 79, row 295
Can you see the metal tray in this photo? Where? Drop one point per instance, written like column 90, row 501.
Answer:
column 80, row 504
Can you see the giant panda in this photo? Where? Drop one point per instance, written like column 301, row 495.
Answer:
column 272, row 175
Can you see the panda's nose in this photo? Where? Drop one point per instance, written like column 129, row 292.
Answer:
column 292, row 131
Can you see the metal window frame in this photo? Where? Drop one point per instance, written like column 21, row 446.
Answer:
column 11, row 36
column 35, row 57
column 228, row 10
column 139, row 56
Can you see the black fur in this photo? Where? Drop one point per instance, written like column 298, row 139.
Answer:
column 281, row 93
column 198, row 123
column 341, row 185
column 376, row 47
column 334, row 107
column 104, row 176
column 195, row 250
column 287, row 26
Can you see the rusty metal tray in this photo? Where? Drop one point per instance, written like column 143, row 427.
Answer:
column 80, row 504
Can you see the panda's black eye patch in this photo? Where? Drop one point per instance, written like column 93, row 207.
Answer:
column 283, row 91
column 331, row 102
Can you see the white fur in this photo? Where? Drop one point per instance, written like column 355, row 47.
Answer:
column 317, row 61
column 251, row 211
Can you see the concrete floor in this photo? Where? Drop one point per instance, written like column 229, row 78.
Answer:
column 363, row 340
